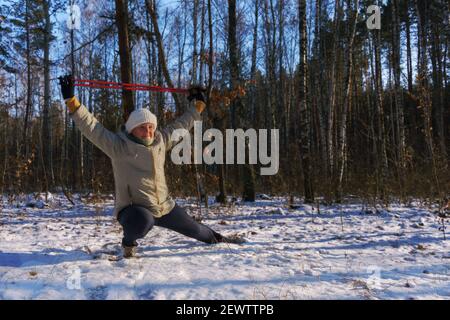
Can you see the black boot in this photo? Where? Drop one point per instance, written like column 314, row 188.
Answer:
column 129, row 251
column 235, row 238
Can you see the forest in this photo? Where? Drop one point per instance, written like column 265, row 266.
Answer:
column 361, row 111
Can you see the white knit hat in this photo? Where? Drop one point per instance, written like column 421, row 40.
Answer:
column 138, row 117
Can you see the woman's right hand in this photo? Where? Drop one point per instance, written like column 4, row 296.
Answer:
column 68, row 92
column 67, row 87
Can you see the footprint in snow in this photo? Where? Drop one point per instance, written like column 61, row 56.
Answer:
column 97, row 293
column 147, row 294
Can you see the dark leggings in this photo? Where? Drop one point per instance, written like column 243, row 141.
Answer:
column 137, row 221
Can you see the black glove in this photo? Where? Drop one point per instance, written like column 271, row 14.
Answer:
column 196, row 92
column 67, row 87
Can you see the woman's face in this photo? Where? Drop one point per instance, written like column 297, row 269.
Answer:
column 144, row 131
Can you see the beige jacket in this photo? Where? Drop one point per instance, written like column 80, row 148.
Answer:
column 138, row 170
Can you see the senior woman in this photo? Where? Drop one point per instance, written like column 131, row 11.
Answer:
column 138, row 152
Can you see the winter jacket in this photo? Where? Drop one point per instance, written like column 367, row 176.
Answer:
column 138, row 170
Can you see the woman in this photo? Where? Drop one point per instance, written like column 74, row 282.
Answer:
column 138, row 153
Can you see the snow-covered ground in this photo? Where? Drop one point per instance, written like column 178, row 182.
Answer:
column 55, row 250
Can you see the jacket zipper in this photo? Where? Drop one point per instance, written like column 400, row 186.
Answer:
column 129, row 194
column 156, row 178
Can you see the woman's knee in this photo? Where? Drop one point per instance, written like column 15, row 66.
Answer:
column 206, row 234
column 136, row 220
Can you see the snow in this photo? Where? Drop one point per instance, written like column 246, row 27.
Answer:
column 54, row 250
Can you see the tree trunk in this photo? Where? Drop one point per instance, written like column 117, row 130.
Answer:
column 280, row 92
column 29, row 86
column 161, row 55
column 194, row 36
column 74, row 147
column 342, row 157
column 125, row 55
column 305, row 113
column 425, row 102
column 398, row 96
column 438, row 94
column 237, row 106
column 318, row 94
column 202, row 44
column 408, row 50
column 253, row 64
column 382, row 156
column 333, row 93
column 46, row 131
column 218, row 123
